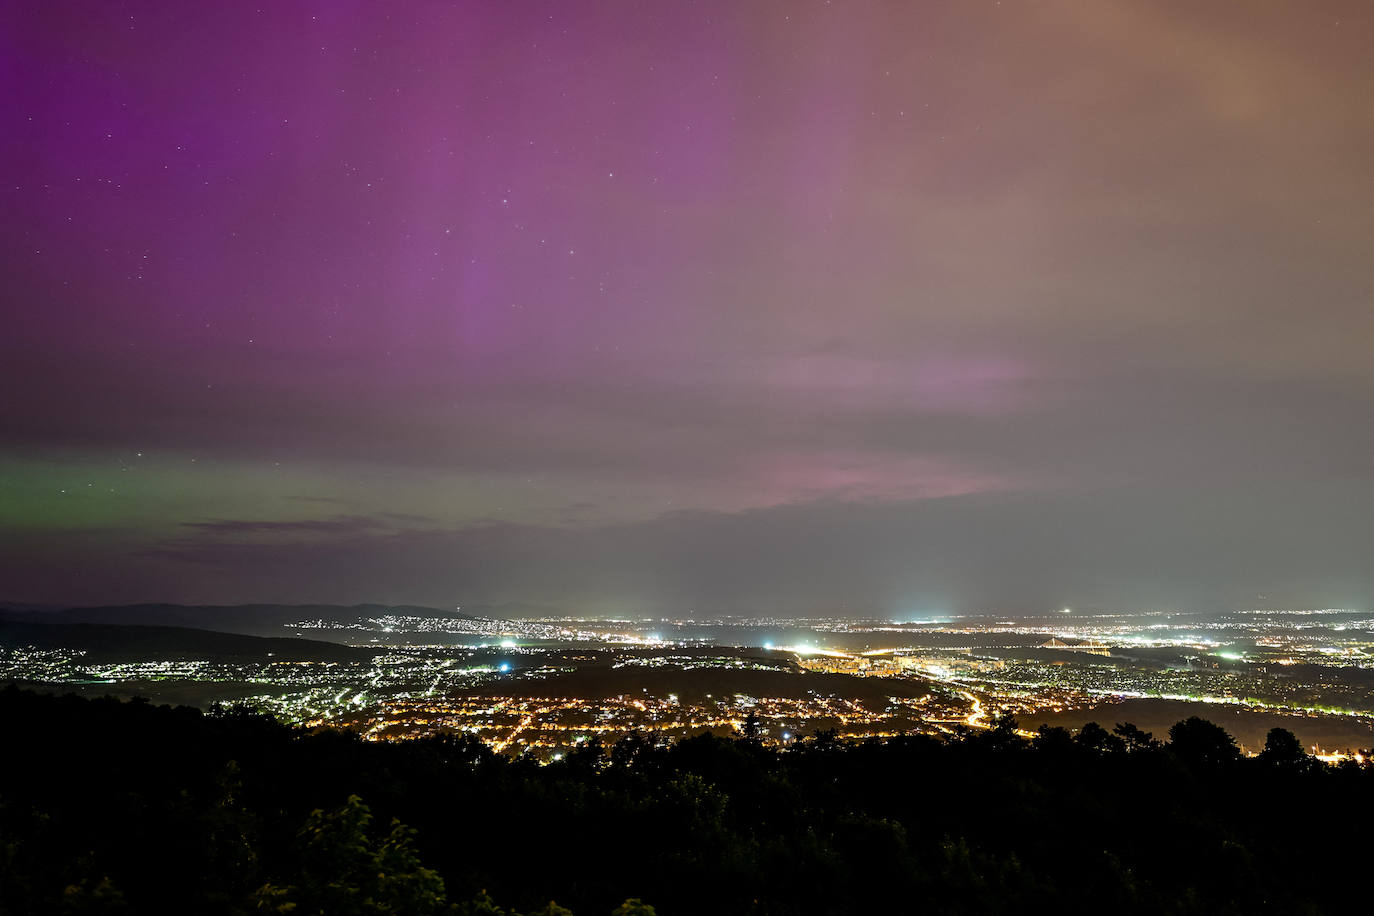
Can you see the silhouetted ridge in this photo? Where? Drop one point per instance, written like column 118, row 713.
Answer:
column 254, row 619
column 130, row 808
column 156, row 643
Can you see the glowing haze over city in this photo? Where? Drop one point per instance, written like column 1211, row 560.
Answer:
column 619, row 309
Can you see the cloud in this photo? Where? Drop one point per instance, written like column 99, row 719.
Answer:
column 347, row 524
column 1116, row 548
column 893, row 279
column 340, row 525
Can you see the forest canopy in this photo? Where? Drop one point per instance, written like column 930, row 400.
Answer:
column 125, row 807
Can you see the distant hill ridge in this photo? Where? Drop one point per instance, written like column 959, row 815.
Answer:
column 251, row 619
column 113, row 642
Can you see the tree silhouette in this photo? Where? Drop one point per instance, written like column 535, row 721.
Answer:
column 1135, row 738
column 550, row 909
column 1283, row 749
column 345, row 872
column 633, row 907
column 1096, row 738
column 1200, row 743
column 1052, row 739
column 206, row 807
column 93, row 898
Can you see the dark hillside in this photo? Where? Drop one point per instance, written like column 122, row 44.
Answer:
column 124, row 807
column 256, row 619
column 111, row 642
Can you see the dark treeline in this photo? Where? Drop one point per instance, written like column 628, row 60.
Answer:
column 110, row 807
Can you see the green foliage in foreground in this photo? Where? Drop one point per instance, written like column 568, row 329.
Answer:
column 341, row 868
column 125, row 808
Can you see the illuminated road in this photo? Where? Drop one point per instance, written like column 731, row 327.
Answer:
column 523, row 724
column 977, row 712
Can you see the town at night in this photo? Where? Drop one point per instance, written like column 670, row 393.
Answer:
column 730, row 457
column 543, row 686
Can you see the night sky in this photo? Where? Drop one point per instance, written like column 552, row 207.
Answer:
column 787, row 307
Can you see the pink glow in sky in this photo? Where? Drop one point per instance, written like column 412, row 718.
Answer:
column 477, row 275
